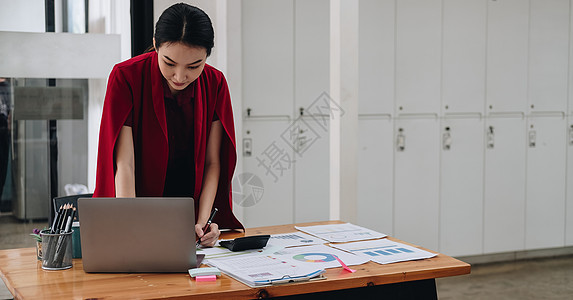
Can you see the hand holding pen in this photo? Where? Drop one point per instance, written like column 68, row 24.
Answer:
column 207, row 226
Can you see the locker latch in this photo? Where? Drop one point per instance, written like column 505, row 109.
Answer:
column 490, row 138
column 400, row 140
column 532, row 138
column 247, row 147
column 571, row 135
column 446, row 139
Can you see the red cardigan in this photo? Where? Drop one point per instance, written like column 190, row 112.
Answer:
column 136, row 84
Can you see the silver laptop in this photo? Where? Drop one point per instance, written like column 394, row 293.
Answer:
column 135, row 235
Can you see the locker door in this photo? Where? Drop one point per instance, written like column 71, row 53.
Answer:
column 418, row 55
column 416, row 186
column 377, row 25
column 544, row 218
column 265, row 189
column 268, row 71
column 570, row 95
column 507, row 57
column 548, row 55
column 462, row 167
column 309, row 133
column 569, row 186
column 504, row 202
column 464, row 48
column 311, row 52
column 311, row 144
column 375, row 170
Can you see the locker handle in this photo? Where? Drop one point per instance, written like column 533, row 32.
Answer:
column 249, row 115
column 374, row 116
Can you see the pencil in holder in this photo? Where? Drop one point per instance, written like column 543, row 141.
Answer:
column 57, row 250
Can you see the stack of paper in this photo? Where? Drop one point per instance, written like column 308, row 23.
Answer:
column 256, row 269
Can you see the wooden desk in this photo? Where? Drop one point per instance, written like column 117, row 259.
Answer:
column 25, row 278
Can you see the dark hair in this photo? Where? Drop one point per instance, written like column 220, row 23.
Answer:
column 186, row 24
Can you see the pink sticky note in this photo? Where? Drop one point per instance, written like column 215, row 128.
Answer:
column 206, row 278
column 344, row 266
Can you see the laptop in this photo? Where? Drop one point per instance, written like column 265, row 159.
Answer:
column 138, row 235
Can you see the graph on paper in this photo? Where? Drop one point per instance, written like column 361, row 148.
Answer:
column 293, row 239
column 340, row 233
column 385, row 251
column 318, row 255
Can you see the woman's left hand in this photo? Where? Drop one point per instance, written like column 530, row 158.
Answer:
column 210, row 238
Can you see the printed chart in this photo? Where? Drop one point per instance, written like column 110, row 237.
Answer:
column 385, row 251
column 255, row 269
column 318, row 255
column 314, row 257
column 293, row 239
column 340, row 233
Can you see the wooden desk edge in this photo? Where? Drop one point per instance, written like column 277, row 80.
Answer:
column 368, row 274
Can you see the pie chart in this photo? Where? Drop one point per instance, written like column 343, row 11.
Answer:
column 314, row 257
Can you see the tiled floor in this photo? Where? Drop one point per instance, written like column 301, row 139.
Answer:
column 548, row 278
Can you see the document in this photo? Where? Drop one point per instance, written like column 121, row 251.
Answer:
column 318, row 256
column 219, row 251
column 293, row 239
column 340, row 233
column 385, row 251
column 256, row 269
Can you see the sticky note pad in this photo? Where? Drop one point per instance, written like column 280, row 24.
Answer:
column 204, row 271
column 206, row 278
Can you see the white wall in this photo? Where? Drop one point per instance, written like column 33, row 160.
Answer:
column 24, row 17
column 433, row 69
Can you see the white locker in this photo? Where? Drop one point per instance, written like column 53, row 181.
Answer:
column 545, row 204
column 311, row 52
column 377, row 25
column 569, row 143
column 375, row 174
column 507, row 55
column 549, row 55
column 266, row 187
column 504, row 200
column 416, row 186
column 570, row 95
column 461, row 200
column 311, row 144
column 309, row 133
column 464, row 60
column 569, row 186
column 418, row 55
column 268, row 72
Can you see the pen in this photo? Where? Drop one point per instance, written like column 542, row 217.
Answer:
column 66, row 214
column 207, row 225
column 70, row 219
column 55, row 221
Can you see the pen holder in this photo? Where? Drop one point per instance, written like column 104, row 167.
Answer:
column 56, row 250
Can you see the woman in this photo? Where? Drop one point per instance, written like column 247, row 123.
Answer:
column 167, row 125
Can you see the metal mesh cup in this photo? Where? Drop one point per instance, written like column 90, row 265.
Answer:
column 57, row 250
